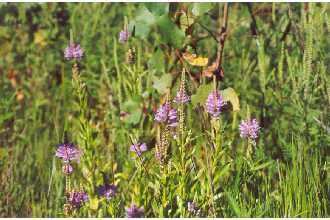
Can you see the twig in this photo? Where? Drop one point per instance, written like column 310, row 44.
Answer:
column 222, row 36
column 253, row 25
column 209, row 31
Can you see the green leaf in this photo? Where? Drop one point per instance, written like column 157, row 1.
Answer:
column 142, row 22
column 141, row 30
column 261, row 166
column 145, row 16
column 134, row 117
column 201, row 95
column 186, row 21
column 231, row 96
column 157, row 9
column 201, row 8
column 133, row 107
column 163, row 83
column 6, row 116
column 234, row 205
column 3, row 153
column 169, row 32
column 157, row 61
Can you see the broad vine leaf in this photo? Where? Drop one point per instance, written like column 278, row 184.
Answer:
column 132, row 106
column 195, row 60
column 231, row 96
column 157, row 61
column 145, row 16
column 169, row 32
column 142, row 22
column 141, row 29
column 163, row 83
column 201, row 94
column 134, row 117
column 157, row 9
column 201, row 8
column 186, row 20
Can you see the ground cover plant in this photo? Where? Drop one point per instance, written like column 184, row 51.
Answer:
column 164, row 109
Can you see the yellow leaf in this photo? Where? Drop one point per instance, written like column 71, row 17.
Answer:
column 94, row 203
column 39, row 38
column 230, row 95
column 195, row 60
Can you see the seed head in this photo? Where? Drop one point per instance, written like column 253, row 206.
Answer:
column 67, row 169
column 131, row 56
column 182, row 97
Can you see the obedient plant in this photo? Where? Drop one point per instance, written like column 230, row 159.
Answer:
column 215, row 104
column 151, row 134
column 249, row 128
column 134, row 212
column 68, row 152
column 73, row 51
column 108, row 191
column 138, row 148
column 174, row 148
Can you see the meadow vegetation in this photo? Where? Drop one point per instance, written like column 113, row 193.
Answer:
column 157, row 103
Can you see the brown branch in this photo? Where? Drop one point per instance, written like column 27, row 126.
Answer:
column 209, row 31
column 253, row 25
column 222, row 36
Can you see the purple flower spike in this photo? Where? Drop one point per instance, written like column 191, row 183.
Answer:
column 192, row 207
column 76, row 199
column 67, row 169
column 214, row 104
column 166, row 115
column 138, row 148
column 162, row 113
column 134, row 212
column 123, row 36
column 68, row 152
column 172, row 118
column 182, row 97
column 73, row 51
column 108, row 191
column 249, row 128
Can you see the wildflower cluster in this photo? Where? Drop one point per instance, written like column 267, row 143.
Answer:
column 108, row 191
column 67, row 152
column 138, row 148
column 73, row 51
column 215, row 104
column 249, row 128
column 134, row 212
column 166, row 115
column 168, row 119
